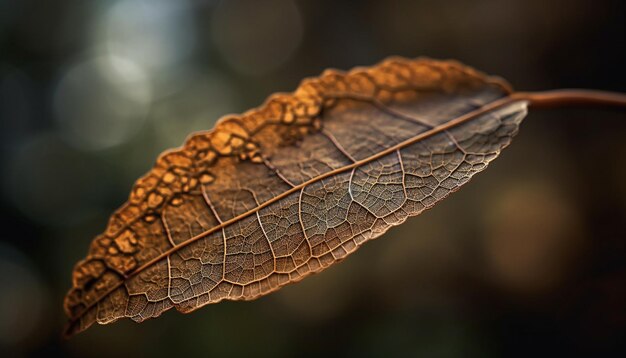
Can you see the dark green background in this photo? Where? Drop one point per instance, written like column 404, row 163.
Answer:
column 529, row 258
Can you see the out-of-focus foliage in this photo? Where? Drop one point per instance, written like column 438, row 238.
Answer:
column 92, row 91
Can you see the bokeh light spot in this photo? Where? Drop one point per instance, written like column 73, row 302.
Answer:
column 101, row 102
column 155, row 34
column 533, row 237
column 256, row 40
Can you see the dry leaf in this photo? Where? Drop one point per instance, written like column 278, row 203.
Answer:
column 285, row 190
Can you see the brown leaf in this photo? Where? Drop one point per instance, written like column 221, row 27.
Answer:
column 285, row 190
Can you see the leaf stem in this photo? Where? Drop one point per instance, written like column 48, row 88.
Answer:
column 564, row 97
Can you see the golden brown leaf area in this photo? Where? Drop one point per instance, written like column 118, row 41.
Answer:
column 289, row 188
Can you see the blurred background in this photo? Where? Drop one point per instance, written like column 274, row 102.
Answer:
column 529, row 258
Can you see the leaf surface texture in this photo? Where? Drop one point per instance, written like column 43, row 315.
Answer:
column 285, row 190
